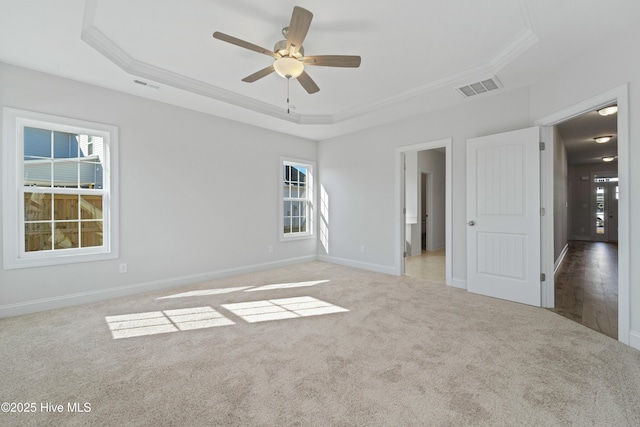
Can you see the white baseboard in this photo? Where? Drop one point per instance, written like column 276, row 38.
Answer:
column 359, row 264
column 62, row 301
column 437, row 246
column 557, row 263
column 634, row 339
column 459, row 283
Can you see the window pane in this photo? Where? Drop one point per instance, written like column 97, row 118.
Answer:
column 91, row 207
column 37, row 143
column 302, row 174
column 294, row 191
column 303, row 225
column 37, row 172
column 65, row 207
column 66, row 235
column 65, row 145
column 90, row 174
column 65, row 174
column 37, row 206
column 286, row 190
column 294, row 174
column 91, row 233
column 37, row 236
column 287, row 225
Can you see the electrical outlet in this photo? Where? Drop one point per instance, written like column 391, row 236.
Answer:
column 123, row 268
column 270, row 249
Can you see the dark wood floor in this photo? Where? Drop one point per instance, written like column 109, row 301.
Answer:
column 586, row 286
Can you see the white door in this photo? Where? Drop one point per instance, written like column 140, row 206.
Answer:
column 503, row 216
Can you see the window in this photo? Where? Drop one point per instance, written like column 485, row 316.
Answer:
column 297, row 200
column 59, row 195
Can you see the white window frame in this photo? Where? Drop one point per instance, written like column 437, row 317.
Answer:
column 15, row 256
column 310, row 199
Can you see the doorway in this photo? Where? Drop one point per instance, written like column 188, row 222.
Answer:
column 426, row 258
column 578, row 231
column 438, row 223
column 586, row 279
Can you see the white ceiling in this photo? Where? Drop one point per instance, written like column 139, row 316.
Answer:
column 414, row 52
column 578, row 136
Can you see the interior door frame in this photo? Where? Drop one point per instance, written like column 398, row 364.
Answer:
column 445, row 143
column 620, row 95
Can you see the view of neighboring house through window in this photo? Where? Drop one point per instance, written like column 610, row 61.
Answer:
column 297, row 199
column 63, row 190
column 61, row 206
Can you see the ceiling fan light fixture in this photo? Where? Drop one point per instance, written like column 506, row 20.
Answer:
column 607, row 111
column 288, row 67
column 603, row 139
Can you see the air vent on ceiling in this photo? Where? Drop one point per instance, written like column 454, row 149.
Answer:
column 143, row 83
column 480, row 87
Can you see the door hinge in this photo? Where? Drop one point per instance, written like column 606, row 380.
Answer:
column 542, row 146
column 543, row 277
column 543, row 212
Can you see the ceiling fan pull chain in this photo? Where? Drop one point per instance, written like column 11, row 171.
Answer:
column 288, row 85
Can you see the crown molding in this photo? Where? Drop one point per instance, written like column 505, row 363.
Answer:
column 110, row 50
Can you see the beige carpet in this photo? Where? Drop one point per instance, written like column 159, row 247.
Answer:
column 407, row 352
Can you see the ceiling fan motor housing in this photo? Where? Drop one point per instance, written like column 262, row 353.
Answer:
column 281, row 48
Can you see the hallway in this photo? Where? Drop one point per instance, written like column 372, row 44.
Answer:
column 586, row 286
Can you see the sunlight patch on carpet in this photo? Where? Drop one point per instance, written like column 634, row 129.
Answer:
column 160, row 322
column 284, row 308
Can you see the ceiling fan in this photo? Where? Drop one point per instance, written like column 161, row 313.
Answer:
column 289, row 60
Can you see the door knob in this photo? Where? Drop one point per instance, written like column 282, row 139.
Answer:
column 471, row 223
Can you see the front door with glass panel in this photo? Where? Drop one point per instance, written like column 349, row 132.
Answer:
column 605, row 223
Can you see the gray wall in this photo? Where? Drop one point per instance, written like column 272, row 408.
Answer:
column 198, row 195
column 560, row 200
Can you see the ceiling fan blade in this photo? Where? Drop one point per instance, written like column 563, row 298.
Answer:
column 307, row 83
column 298, row 27
column 333, row 61
column 259, row 74
column 236, row 41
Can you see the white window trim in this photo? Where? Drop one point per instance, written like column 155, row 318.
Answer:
column 310, row 233
column 14, row 121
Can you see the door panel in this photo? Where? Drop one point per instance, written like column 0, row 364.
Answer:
column 503, row 214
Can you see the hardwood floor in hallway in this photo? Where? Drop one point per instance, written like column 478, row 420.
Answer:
column 586, row 286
